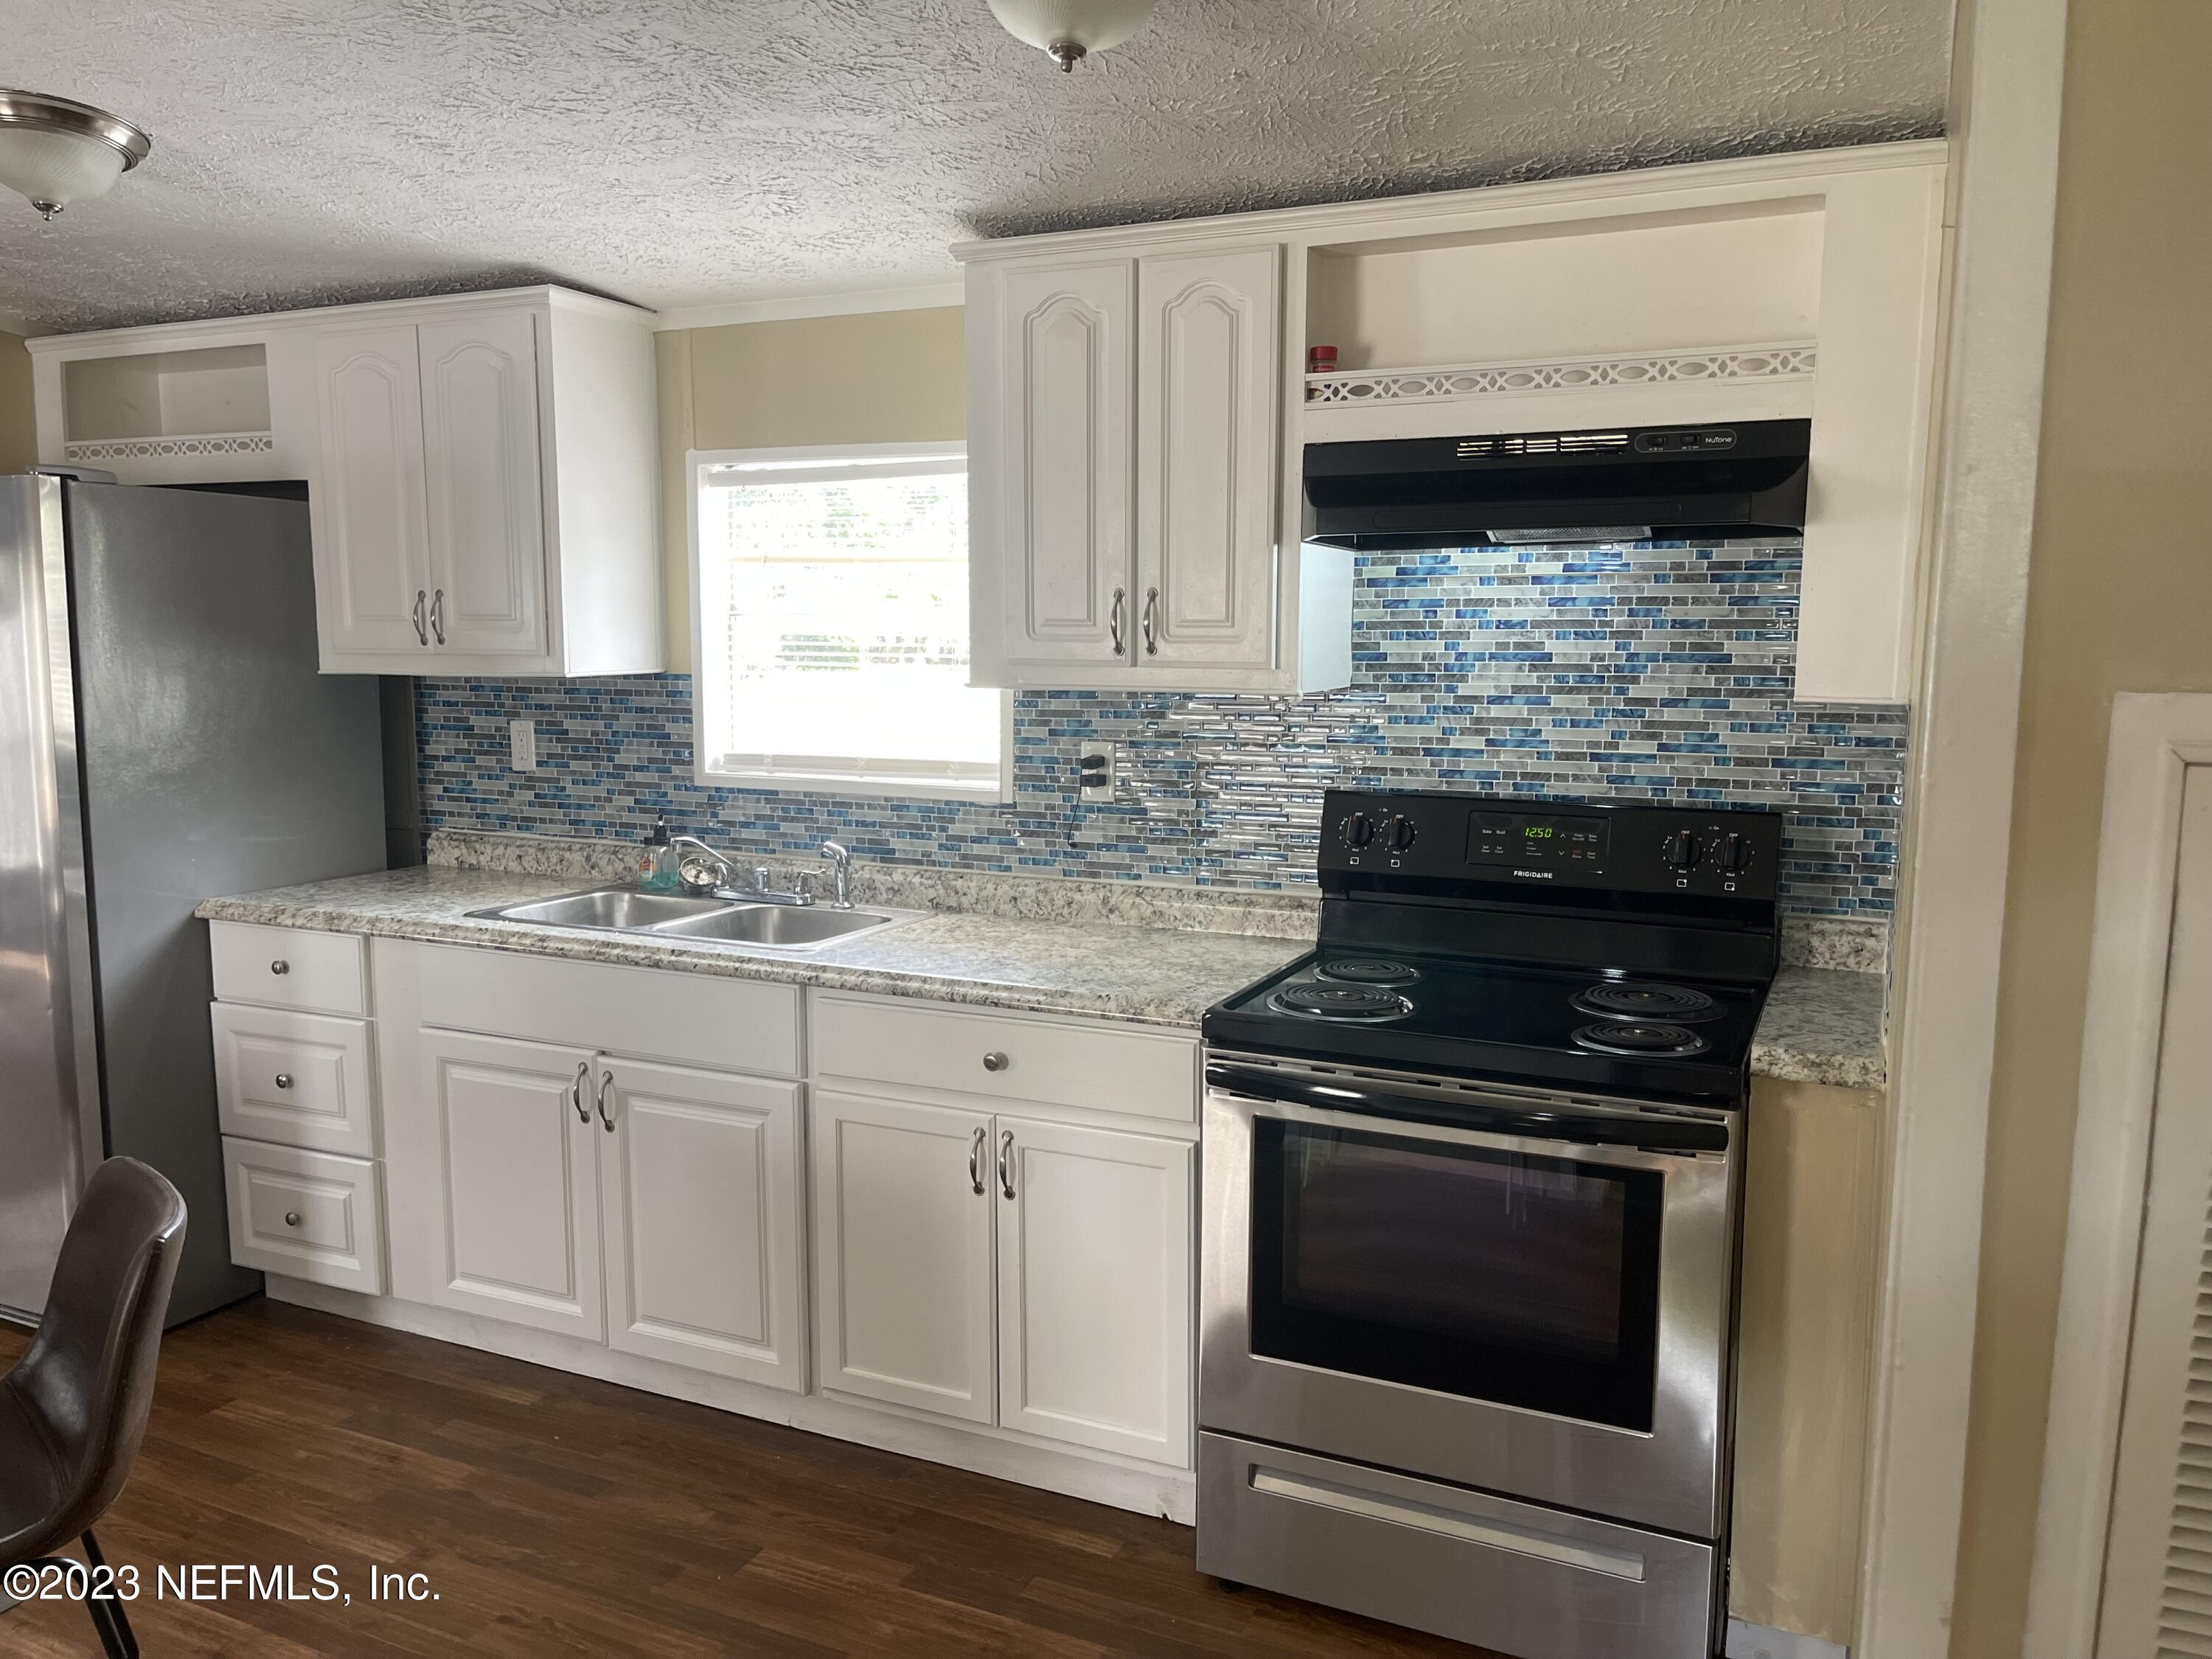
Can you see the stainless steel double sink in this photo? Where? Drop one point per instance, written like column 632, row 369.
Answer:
column 679, row 916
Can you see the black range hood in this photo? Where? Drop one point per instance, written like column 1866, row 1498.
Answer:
column 1620, row 483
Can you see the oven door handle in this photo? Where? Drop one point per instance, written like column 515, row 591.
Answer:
column 1576, row 1129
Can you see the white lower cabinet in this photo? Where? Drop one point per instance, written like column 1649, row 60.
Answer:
column 1096, row 1243
column 624, row 1186
column 515, row 1209
column 699, row 1212
column 1008, row 1270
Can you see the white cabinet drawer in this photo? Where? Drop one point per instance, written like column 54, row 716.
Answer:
column 303, row 1079
column 309, row 1215
column 288, row 968
column 1105, row 1068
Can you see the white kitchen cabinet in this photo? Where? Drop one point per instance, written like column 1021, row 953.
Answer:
column 371, row 526
column 1208, row 339
column 483, row 489
column 544, row 1119
column 1124, row 478
column 1062, row 592
column 516, row 1205
column 700, row 1209
column 1096, row 1242
column 902, row 1235
column 480, row 449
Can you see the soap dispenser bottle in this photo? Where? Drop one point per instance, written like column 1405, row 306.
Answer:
column 657, row 871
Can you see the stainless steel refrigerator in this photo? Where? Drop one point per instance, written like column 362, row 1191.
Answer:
column 164, row 738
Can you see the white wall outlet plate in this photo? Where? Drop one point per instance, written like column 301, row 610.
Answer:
column 1094, row 771
column 522, row 746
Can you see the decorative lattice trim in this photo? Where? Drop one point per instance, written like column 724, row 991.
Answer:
column 150, row 449
column 1785, row 363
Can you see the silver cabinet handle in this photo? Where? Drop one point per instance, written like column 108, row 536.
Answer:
column 438, row 615
column 976, row 1160
column 994, row 1061
column 280, row 967
column 291, row 1217
column 1151, row 622
column 283, row 1079
column 576, row 1091
column 421, row 633
column 1006, row 1164
column 606, row 1081
column 1114, row 623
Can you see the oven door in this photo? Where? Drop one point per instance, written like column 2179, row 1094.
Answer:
column 1525, row 1295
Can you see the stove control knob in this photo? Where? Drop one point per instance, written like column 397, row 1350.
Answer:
column 1735, row 854
column 1401, row 833
column 1682, row 851
column 1358, row 829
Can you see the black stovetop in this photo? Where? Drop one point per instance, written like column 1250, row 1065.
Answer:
column 1552, row 945
column 1466, row 1017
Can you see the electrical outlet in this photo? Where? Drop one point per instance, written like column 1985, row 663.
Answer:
column 1094, row 772
column 522, row 746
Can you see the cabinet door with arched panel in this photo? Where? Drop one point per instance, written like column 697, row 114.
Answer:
column 1207, row 350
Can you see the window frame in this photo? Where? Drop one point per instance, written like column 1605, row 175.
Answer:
column 793, row 772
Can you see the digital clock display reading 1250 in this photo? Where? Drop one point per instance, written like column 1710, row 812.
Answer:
column 1537, row 840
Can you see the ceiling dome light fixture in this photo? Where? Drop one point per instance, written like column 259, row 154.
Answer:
column 56, row 151
column 1070, row 29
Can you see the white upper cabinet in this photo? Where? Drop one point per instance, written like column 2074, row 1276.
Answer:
column 482, row 469
column 1140, row 412
column 372, row 535
column 1207, row 342
column 485, row 490
column 1123, row 476
column 480, row 445
column 1060, row 596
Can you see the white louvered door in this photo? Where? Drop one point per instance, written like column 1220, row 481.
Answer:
column 2158, row 1563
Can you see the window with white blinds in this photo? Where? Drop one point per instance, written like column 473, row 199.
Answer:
column 830, row 627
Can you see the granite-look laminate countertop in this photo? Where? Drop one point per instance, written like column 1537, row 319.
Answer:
column 1147, row 976
column 1820, row 1025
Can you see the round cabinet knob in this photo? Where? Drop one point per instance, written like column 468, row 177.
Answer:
column 994, row 1061
column 280, row 966
column 283, row 1079
column 1401, row 833
column 291, row 1217
column 1682, row 851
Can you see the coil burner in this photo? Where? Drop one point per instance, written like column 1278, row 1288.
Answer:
column 1639, row 1038
column 1647, row 999
column 1369, row 970
column 1353, row 1002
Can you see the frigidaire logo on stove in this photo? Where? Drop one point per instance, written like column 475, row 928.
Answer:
column 1533, row 875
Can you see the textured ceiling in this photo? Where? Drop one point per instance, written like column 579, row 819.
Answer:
column 686, row 152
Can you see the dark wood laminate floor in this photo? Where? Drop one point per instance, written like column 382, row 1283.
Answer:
column 556, row 1515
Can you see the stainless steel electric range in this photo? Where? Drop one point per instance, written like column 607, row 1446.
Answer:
column 1472, row 1173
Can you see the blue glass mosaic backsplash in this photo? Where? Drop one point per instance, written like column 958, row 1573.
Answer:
column 1647, row 671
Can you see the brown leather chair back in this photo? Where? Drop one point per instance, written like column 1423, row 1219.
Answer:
column 87, row 1380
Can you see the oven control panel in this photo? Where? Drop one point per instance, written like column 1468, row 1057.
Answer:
column 1423, row 836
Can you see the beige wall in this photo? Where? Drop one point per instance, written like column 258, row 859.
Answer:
column 19, row 438
column 1811, row 1248
column 2120, row 598
column 883, row 377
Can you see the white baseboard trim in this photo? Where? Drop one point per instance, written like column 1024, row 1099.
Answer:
column 1125, row 1484
column 1758, row 1642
